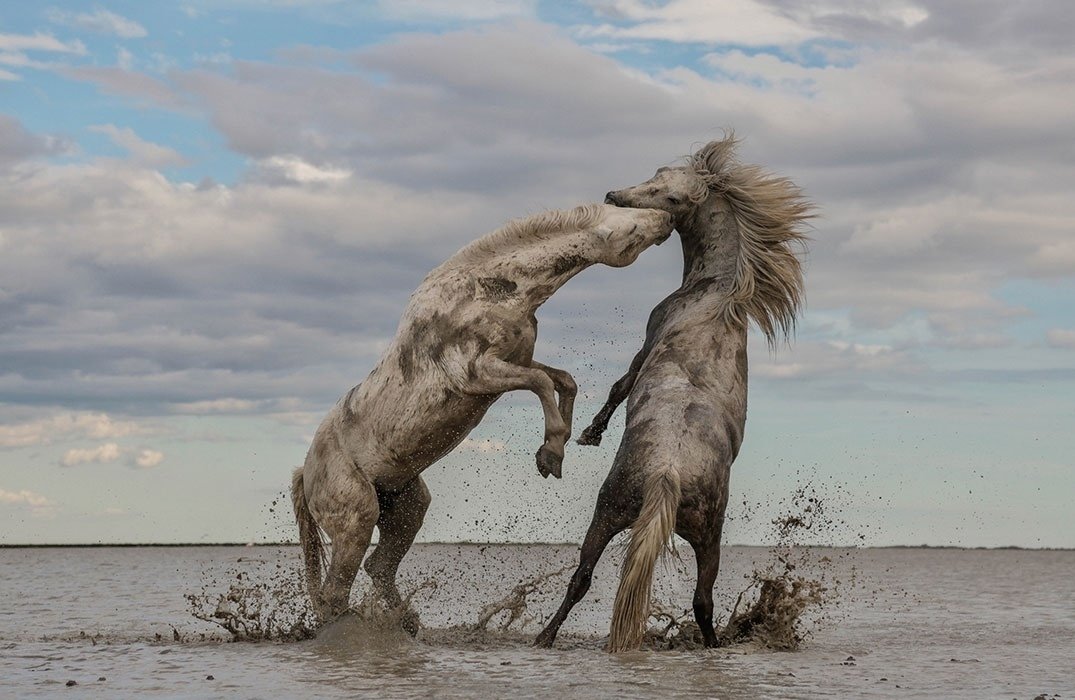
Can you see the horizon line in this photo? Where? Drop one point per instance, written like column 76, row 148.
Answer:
column 90, row 545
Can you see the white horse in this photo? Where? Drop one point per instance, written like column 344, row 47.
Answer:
column 687, row 387
column 466, row 337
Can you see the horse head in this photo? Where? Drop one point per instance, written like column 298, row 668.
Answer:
column 622, row 234
column 674, row 190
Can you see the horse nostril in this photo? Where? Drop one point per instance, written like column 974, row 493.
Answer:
column 610, row 198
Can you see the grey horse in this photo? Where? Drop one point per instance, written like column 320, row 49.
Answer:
column 466, row 337
column 686, row 389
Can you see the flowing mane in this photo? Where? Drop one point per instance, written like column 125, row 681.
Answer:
column 770, row 212
column 524, row 231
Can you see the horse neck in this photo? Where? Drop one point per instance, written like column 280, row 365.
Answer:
column 538, row 270
column 710, row 239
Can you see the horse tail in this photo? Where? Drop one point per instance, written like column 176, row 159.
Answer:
column 650, row 533
column 313, row 546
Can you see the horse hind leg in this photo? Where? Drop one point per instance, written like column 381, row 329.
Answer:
column 707, row 556
column 401, row 517
column 347, row 511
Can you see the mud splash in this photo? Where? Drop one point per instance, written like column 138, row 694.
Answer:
column 262, row 606
column 792, row 593
column 373, row 624
column 258, row 605
column 771, row 619
column 505, row 612
column 788, row 593
column 514, row 604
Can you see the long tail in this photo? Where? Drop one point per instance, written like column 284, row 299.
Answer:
column 313, row 546
column 649, row 535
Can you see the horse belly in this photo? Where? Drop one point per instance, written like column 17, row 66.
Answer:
column 419, row 427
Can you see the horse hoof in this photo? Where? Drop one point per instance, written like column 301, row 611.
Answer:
column 543, row 641
column 548, row 462
column 589, row 437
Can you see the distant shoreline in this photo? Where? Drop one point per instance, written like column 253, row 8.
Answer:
column 102, row 545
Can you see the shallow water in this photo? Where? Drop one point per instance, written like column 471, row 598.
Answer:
column 918, row 623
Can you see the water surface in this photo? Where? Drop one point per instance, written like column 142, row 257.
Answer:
column 912, row 623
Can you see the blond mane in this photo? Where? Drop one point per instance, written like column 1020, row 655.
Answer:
column 770, row 213
column 524, row 231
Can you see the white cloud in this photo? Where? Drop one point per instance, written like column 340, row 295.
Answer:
column 117, row 80
column 102, row 454
column 141, row 151
column 467, row 10
column 931, row 199
column 752, row 22
column 147, row 459
column 764, row 69
column 38, row 505
column 1061, row 338
column 835, row 359
column 226, row 405
column 24, row 497
column 100, row 20
column 110, row 452
column 39, row 42
column 893, row 13
column 124, row 58
column 295, row 169
column 17, row 144
column 66, row 426
column 742, row 22
column 14, row 48
column 782, row 370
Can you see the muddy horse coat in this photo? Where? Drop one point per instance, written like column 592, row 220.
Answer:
column 466, row 337
column 686, row 389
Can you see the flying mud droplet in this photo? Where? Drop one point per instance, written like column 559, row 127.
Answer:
column 514, row 604
column 508, row 610
column 258, row 605
column 790, row 594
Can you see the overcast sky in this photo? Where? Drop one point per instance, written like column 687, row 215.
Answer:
column 212, row 214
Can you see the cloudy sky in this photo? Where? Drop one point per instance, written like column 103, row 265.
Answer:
column 212, row 214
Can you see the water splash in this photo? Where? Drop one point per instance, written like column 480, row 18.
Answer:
column 272, row 605
column 258, row 608
column 771, row 619
column 792, row 592
column 509, row 609
column 375, row 624
column 514, row 604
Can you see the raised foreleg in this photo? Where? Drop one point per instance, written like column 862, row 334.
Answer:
column 491, row 375
column 566, row 390
column 617, row 395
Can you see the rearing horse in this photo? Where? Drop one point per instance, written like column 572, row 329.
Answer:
column 686, row 389
column 466, row 337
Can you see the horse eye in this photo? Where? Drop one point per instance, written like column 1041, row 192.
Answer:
column 673, row 200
